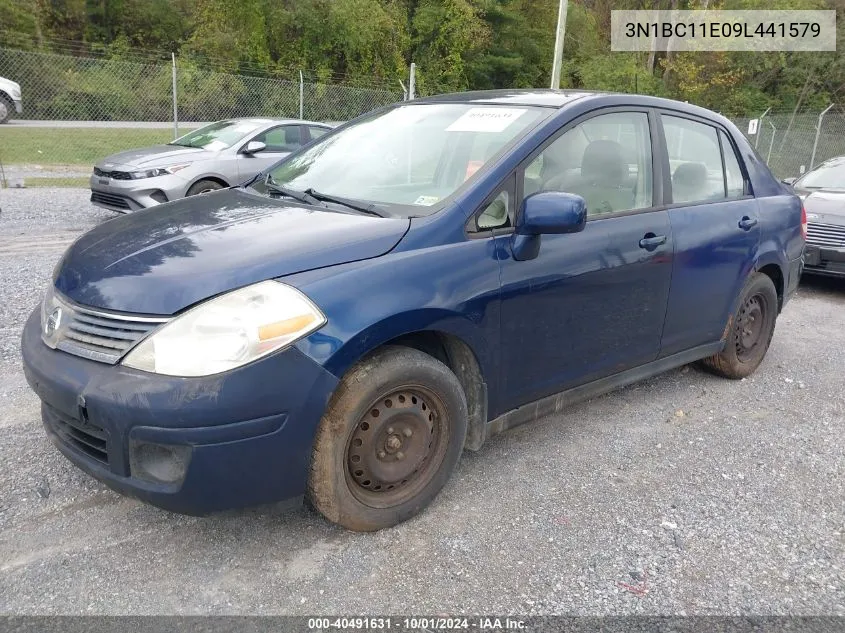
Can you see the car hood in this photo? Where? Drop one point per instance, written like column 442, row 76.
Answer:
column 155, row 156
column 164, row 259
column 824, row 206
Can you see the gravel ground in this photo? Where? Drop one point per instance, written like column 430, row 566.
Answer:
column 683, row 494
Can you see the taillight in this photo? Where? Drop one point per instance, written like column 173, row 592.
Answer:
column 803, row 222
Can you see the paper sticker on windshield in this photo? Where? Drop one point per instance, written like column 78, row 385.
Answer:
column 485, row 120
column 426, row 200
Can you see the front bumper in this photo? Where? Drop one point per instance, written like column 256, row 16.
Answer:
column 249, row 431
column 126, row 196
column 819, row 260
column 18, row 106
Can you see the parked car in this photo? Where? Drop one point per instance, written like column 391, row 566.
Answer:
column 10, row 99
column 423, row 277
column 823, row 193
column 212, row 157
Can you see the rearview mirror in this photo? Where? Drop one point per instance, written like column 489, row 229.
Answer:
column 253, row 147
column 551, row 212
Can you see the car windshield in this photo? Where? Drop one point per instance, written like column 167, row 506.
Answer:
column 218, row 135
column 409, row 158
column 829, row 175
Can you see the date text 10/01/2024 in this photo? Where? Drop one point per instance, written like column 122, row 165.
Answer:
column 416, row 624
column 722, row 29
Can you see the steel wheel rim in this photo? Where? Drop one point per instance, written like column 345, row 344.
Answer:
column 749, row 326
column 396, row 447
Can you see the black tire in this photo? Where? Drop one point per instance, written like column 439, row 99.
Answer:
column 204, row 186
column 750, row 331
column 7, row 108
column 370, row 467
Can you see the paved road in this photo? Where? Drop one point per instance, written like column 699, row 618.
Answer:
column 683, row 494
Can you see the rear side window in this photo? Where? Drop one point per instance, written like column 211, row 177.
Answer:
column 734, row 180
column 695, row 160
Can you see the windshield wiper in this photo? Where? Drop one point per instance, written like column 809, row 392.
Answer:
column 301, row 196
column 346, row 202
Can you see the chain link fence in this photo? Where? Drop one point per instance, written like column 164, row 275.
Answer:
column 66, row 87
column 794, row 142
column 141, row 99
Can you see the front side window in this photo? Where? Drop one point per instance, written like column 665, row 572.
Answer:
column 287, row 138
column 606, row 160
column 695, row 160
column 217, row 136
column 408, row 159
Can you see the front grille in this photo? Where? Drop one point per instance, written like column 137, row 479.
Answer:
column 82, row 435
column 101, row 336
column 830, row 235
column 117, row 175
column 110, row 199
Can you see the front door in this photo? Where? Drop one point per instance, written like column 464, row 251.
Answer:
column 279, row 141
column 590, row 304
column 715, row 222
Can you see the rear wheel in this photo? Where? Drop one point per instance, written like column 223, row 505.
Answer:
column 751, row 330
column 389, row 440
column 204, row 186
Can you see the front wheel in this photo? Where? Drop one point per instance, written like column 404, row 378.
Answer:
column 751, row 330
column 204, row 186
column 6, row 109
column 389, row 440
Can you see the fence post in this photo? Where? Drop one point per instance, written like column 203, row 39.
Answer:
column 760, row 127
column 301, row 95
column 818, row 131
column 771, row 143
column 412, row 82
column 175, row 108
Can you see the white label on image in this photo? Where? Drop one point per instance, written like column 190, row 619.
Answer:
column 752, row 126
column 485, row 120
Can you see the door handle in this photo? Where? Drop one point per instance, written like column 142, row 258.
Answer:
column 746, row 223
column 651, row 241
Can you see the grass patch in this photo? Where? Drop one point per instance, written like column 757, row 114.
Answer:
column 72, row 146
column 55, row 182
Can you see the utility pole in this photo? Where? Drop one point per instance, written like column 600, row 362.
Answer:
column 561, row 31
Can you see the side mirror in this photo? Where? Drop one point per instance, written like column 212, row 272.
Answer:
column 550, row 212
column 253, row 147
column 789, row 181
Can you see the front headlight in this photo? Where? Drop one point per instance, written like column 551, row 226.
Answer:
column 228, row 331
column 158, row 171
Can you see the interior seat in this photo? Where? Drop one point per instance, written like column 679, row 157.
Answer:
column 604, row 176
column 689, row 183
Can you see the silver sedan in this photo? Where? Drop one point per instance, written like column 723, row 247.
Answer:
column 212, row 157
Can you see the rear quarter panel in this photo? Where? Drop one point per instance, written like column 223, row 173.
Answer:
column 781, row 242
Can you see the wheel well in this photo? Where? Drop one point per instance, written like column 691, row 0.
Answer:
column 773, row 272
column 219, row 181
column 459, row 357
column 3, row 95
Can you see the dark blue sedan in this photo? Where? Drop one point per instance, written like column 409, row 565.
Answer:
column 344, row 326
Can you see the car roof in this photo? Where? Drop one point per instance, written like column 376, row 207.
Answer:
column 271, row 120
column 560, row 98
column 523, row 97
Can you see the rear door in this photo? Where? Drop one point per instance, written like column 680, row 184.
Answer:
column 716, row 228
